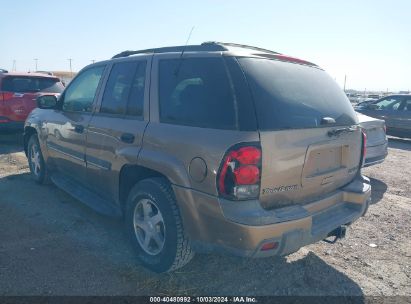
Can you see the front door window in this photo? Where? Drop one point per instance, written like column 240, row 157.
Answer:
column 80, row 94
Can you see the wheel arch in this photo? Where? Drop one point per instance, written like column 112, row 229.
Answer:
column 28, row 132
column 131, row 175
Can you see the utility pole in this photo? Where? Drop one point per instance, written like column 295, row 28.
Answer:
column 71, row 70
column 345, row 81
column 14, row 65
column 92, row 60
column 36, row 59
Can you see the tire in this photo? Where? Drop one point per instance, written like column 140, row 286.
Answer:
column 36, row 161
column 175, row 251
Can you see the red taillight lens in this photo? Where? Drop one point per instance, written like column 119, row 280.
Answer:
column 247, row 175
column 239, row 176
column 4, row 96
column 247, row 155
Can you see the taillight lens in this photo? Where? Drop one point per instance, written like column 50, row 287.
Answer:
column 4, row 96
column 247, row 175
column 364, row 146
column 240, row 171
column 247, row 155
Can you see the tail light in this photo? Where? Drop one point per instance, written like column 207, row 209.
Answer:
column 240, row 173
column 4, row 96
column 364, row 147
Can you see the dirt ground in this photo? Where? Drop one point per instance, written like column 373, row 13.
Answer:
column 51, row 244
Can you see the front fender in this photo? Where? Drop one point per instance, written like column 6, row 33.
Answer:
column 34, row 124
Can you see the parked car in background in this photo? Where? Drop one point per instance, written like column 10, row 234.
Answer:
column 174, row 145
column 353, row 97
column 374, row 96
column 377, row 142
column 364, row 101
column 18, row 93
column 395, row 110
column 45, row 72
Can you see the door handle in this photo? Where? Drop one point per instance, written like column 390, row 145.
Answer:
column 127, row 138
column 79, row 129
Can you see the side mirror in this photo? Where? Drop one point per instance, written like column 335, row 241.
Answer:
column 47, row 102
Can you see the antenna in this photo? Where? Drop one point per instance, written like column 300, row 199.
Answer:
column 189, row 36
column 182, row 52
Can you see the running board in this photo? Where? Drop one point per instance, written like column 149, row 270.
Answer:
column 86, row 196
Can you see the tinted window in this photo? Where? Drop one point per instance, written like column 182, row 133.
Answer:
column 136, row 100
column 196, row 92
column 242, row 96
column 389, row 103
column 80, row 94
column 125, row 89
column 292, row 96
column 407, row 104
column 32, row 84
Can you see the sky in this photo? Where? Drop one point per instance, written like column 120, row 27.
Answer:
column 368, row 41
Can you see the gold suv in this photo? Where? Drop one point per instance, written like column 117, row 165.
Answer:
column 213, row 147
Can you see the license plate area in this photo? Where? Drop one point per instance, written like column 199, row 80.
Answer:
column 324, row 164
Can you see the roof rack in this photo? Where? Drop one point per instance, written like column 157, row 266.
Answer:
column 209, row 46
column 177, row 49
column 239, row 45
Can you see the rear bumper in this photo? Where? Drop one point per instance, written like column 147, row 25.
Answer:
column 376, row 154
column 242, row 228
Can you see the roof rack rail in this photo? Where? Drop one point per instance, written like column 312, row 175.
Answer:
column 240, row 45
column 177, row 49
column 129, row 53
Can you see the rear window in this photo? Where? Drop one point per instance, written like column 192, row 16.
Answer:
column 23, row 84
column 196, row 92
column 294, row 96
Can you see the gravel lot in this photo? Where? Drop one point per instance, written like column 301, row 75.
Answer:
column 50, row 244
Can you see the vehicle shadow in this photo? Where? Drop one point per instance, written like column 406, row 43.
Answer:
column 87, row 253
column 399, row 143
column 222, row 275
column 378, row 188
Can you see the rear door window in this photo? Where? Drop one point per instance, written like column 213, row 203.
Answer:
column 294, row 96
column 124, row 93
column 196, row 92
column 27, row 84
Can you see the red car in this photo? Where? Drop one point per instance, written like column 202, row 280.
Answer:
column 18, row 93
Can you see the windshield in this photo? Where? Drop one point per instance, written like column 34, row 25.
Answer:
column 23, row 84
column 293, row 96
